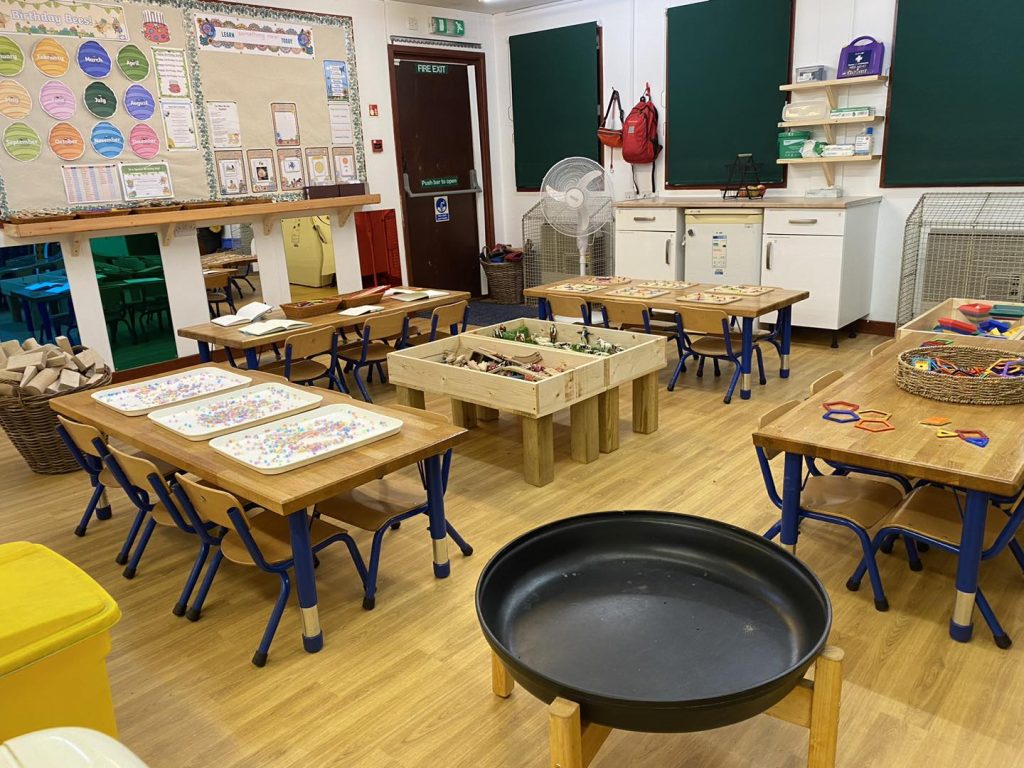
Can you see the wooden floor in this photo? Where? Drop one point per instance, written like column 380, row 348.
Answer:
column 408, row 684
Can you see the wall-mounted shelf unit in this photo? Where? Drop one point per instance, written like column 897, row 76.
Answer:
column 827, row 162
column 830, row 124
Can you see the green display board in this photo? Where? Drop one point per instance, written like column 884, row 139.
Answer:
column 726, row 61
column 555, row 99
column 955, row 112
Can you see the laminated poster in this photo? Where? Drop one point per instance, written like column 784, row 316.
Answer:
column 340, row 117
column 57, row 100
column 22, row 143
column 171, row 73
column 262, row 174
column 230, row 172
column 179, row 124
column 15, row 101
column 68, row 18
column 344, row 163
column 144, row 141
column 12, row 60
column 93, row 59
column 290, row 163
column 107, row 140
column 99, row 99
column 225, row 129
column 86, row 184
column 318, row 166
column 146, row 181
column 133, row 63
column 50, row 57
column 286, row 124
column 66, row 142
column 139, row 102
column 232, row 34
column 336, row 80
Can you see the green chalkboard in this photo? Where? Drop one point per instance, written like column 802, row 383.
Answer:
column 726, row 61
column 555, row 99
column 955, row 107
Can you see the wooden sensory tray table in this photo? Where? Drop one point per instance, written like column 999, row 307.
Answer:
column 926, row 322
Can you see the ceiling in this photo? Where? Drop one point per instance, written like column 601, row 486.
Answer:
column 491, row 6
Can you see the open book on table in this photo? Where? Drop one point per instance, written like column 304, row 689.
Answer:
column 406, row 294
column 248, row 314
column 364, row 309
column 267, row 327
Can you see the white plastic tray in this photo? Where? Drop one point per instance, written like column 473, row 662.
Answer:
column 299, row 440
column 213, row 416
column 141, row 397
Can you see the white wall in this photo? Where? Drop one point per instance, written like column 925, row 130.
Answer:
column 634, row 53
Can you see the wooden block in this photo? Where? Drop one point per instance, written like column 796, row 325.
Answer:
column 6, row 389
column 54, row 388
column 12, row 347
column 6, row 375
column 56, row 360
column 86, row 359
column 27, row 375
column 538, row 450
column 65, row 345
column 3, row 358
column 94, row 378
column 608, row 420
column 584, row 444
column 645, row 404
column 26, row 360
column 42, row 380
column 30, row 344
column 69, row 378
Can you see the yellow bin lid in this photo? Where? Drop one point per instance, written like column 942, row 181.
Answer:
column 48, row 603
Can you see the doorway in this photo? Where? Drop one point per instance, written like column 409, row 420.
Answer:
column 439, row 102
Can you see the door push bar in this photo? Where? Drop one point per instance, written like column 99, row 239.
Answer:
column 474, row 187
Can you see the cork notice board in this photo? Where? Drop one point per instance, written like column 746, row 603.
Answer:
column 123, row 104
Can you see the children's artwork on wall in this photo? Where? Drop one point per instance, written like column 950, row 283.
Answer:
column 231, row 172
column 286, row 124
column 290, row 163
column 262, row 173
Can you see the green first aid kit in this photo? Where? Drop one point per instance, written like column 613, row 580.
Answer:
column 791, row 142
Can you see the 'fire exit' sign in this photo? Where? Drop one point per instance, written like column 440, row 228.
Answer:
column 450, row 27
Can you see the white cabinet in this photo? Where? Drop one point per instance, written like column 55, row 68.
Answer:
column 648, row 243
column 829, row 253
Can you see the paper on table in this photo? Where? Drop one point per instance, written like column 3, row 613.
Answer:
column 365, row 309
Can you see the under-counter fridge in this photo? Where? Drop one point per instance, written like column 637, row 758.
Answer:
column 723, row 246
column 648, row 243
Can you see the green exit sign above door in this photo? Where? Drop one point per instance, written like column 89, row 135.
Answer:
column 449, row 27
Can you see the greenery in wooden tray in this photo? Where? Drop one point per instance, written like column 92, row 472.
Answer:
column 523, row 335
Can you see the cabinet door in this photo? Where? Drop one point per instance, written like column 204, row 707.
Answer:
column 806, row 263
column 648, row 255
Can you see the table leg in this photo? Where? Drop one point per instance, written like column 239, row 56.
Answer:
column 463, row 414
column 502, row 683
column 538, row 450
column 204, row 352
column 483, row 413
column 608, row 420
column 791, row 482
column 305, row 581
column 583, row 416
column 252, row 358
column 47, row 326
column 645, row 404
column 785, row 320
column 745, row 357
column 542, row 308
column 968, row 564
column 26, row 309
column 414, row 398
column 435, row 505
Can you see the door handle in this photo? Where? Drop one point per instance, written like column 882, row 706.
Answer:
column 473, row 188
column 768, row 255
column 645, row 218
column 803, row 221
column 668, row 249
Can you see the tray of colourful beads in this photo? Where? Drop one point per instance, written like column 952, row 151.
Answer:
column 311, row 436
column 214, row 416
column 141, row 397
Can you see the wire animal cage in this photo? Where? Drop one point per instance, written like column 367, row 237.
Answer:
column 965, row 245
column 549, row 255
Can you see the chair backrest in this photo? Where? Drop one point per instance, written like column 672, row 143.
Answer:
column 450, row 317
column 217, row 281
column 772, row 415
column 136, row 469
column 212, row 504
column 623, row 313
column 713, row 322
column 567, row 306
column 882, row 347
column 309, row 343
column 82, row 435
column 820, row 383
column 386, row 325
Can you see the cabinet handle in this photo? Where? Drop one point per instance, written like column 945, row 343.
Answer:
column 803, row 221
column 668, row 249
column 645, row 218
column 768, row 255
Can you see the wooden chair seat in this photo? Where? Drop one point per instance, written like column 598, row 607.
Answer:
column 370, row 506
column 861, row 500
column 165, row 469
column 419, row 325
column 270, row 532
column 376, row 352
column 933, row 512
column 302, row 370
column 714, row 346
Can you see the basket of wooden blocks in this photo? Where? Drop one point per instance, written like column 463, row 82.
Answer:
column 32, row 374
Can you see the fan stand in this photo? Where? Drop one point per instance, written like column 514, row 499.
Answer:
column 813, row 704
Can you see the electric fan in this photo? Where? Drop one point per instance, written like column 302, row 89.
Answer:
column 576, row 199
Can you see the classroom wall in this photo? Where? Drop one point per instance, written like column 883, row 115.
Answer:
column 634, row 53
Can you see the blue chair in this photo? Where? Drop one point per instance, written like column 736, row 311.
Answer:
column 860, row 504
column 445, row 321
column 372, row 348
column 87, row 447
column 933, row 515
column 567, row 309
column 254, row 538
column 382, row 506
column 716, row 343
column 300, row 365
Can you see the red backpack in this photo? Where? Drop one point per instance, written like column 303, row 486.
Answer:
column 640, row 135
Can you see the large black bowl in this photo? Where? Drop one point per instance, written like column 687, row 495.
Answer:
column 653, row 621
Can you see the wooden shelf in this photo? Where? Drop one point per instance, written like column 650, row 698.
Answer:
column 166, row 221
column 830, row 121
column 826, row 163
column 814, row 85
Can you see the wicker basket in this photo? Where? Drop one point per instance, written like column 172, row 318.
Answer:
column 301, row 309
column 504, row 281
column 361, row 298
column 948, row 388
column 31, row 425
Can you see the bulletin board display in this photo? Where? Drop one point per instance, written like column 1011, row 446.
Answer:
column 119, row 105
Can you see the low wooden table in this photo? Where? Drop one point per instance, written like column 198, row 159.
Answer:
column 748, row 308
column 227, row 260
column 926, row 322
column 911, row 450
column 424, row 437
column 233, row 338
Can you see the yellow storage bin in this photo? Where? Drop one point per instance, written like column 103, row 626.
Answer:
column 54, row 640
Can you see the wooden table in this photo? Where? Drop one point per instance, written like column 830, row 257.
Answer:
column 748, row 308
column 424, row 438
column 233, row 338
column 227, row 260
column 911, row 450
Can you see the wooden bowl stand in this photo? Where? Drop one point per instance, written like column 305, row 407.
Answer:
column 813, row 704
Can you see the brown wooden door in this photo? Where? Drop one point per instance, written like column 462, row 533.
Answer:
column 435, row 155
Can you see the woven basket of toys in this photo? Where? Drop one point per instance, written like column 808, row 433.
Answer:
column 962, row 374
